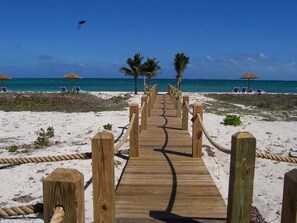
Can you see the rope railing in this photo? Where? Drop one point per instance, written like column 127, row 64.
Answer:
column 188, row 107
column 142, row 107
column 219, row 147
column 21, row 210
column 276, row 157
column 25, row 160
column 58, row 216
column 258, row 153
column 118, row 145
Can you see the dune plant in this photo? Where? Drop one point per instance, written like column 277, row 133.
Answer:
column 232, row 120
column 44, row 136
column 12, row 149
column 108, row 126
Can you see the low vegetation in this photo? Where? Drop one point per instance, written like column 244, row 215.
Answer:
column 44, row 136
column 108, row 126
column 270, row 107
column 232, row 120
column 67, row 102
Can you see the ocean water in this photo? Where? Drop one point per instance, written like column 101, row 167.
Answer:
column 127, row 84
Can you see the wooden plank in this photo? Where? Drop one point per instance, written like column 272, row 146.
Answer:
column 165, row 181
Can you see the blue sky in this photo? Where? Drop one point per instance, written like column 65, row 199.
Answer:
column 224, row 39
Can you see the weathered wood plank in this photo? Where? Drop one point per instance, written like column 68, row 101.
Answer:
column 165, row 181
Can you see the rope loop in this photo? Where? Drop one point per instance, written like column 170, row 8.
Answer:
column 188, row 107
column 118, row 146
column 58, row 216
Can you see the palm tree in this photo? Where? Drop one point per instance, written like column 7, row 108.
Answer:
column 134, row 68
column 180, row 64
column 150, row 69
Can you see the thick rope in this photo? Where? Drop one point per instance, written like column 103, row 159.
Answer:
column 118, row 146
column 45, row 158
column 276, row 157
column 58, row 216
column 141, row 108
column 21, row 210
column 221, row 148
column 258, row 153
column 188, row 107
column 148, row 99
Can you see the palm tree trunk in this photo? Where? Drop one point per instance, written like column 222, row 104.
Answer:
column 135, row 85
column 179, row 83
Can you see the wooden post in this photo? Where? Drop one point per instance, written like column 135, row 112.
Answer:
column 185, row 113
column 103, row 177
column 154, row 95
column 171, row 93
column 169, row 89
column 144, row 113
column 175, row 99
column 65, row 188
column 134, row 143
column 149, row 96
column 144, row 88
column 289, row 207
column 197, row 131
column 152, row 98
column 242, row 168
column 178, row 103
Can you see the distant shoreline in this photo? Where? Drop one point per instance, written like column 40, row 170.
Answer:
column 127, row 85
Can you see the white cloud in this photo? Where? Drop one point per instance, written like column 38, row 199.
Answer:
column 262, row 55
column 209, row 58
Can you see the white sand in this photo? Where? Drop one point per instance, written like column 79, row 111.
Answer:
column 74, row 131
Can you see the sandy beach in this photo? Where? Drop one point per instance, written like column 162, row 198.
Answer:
column 22, row 184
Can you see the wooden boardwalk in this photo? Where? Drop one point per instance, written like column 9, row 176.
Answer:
column 165, row 184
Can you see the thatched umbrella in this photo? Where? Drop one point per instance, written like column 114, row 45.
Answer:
column 249, row 76
column 72, row 76
column 3, row 77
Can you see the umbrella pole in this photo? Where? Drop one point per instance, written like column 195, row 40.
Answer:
column 248, row 89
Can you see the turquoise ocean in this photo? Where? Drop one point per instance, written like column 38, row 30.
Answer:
column 127, row 84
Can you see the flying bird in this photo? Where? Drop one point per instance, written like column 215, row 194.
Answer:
column 81, row 23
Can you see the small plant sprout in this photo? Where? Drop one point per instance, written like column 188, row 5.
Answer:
column 232, row 120
column 12, row 149
column 44, row 136
column 108, row 126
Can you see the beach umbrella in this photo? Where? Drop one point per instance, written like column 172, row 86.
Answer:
column 72, row 76
column 3, row 77
column 249, row 76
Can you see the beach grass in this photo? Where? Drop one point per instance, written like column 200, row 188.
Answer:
column 61, row 102
column 271, row 107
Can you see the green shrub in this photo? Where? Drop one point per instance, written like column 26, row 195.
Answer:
column 44, row 136
column 12, row 149
column 107, row 126
column 232, row 120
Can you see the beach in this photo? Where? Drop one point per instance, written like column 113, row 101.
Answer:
column 74, row 131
